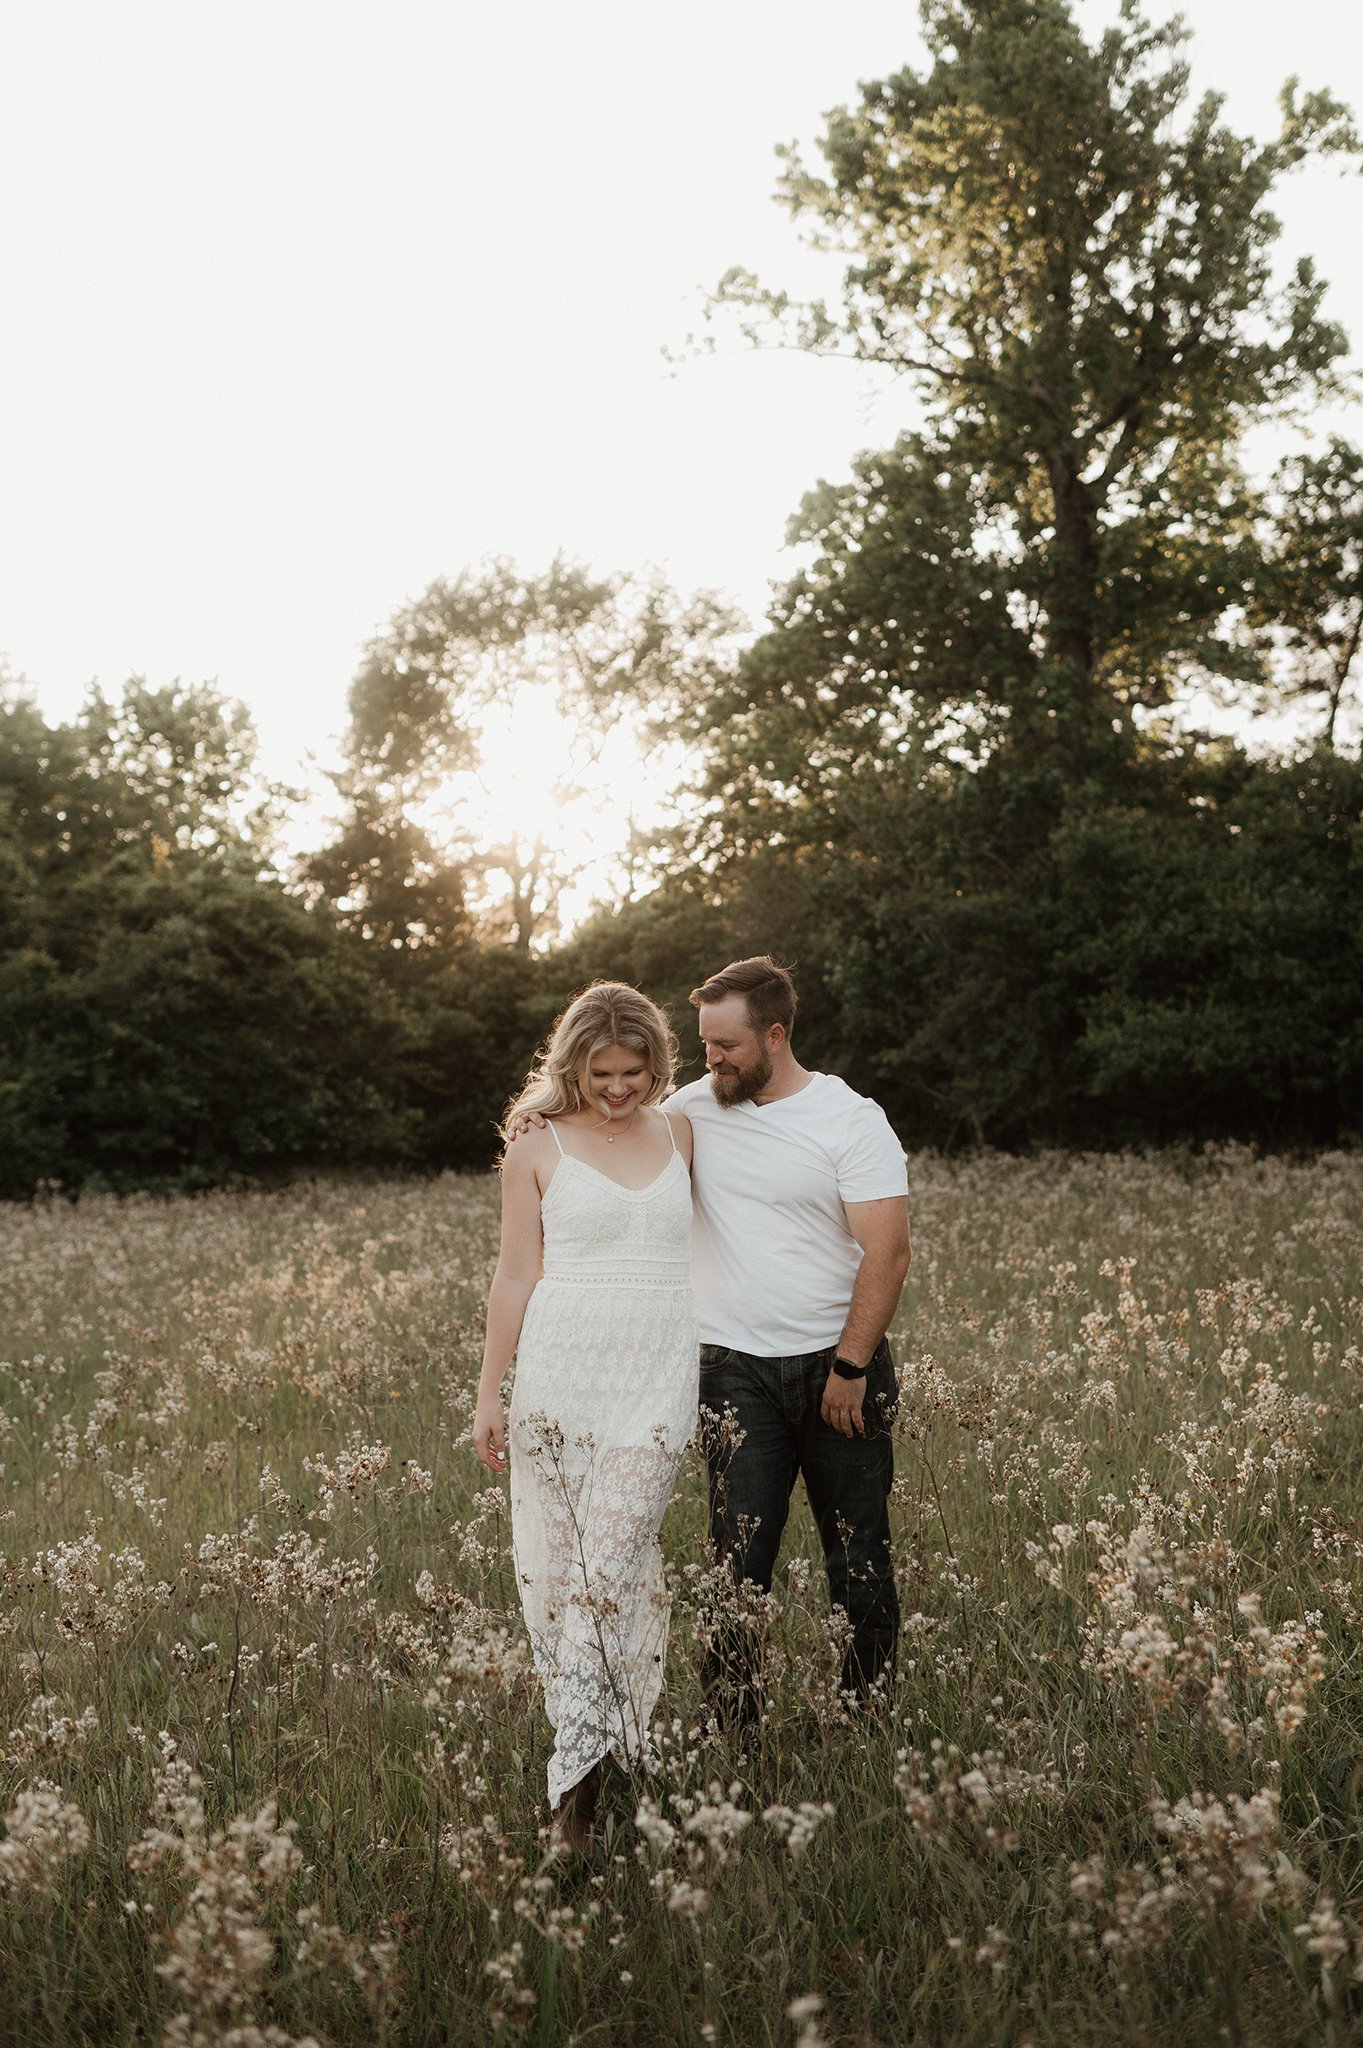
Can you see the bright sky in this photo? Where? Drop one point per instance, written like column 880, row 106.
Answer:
column 308, row 302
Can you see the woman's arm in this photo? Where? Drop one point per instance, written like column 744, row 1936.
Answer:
column 518, row 1268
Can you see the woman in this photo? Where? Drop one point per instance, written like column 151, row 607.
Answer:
column 592, row 1295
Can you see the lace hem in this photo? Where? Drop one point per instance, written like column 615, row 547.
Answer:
column 594, row 1593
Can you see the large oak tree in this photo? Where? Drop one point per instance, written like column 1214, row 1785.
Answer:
column 1071, row 264
column 950, row 759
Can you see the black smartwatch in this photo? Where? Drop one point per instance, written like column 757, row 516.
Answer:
column 845, row 1369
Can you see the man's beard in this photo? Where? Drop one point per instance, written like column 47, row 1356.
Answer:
column 731, row 1089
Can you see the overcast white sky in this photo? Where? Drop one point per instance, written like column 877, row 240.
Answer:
column 307, row 302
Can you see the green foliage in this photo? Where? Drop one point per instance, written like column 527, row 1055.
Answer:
column 1025, row 901
column 469, row 1029
column 1188, row 965
column 1074, row 271
column 1308, row 600
column 34, row 1071
column 217, row 1027
column 1215, row 956
column 171, row 1015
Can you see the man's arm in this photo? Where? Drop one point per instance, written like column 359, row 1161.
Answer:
column 882, row 1231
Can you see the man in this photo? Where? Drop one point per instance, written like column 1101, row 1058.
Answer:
column 800, row 1252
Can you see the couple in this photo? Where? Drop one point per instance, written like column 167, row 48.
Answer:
column 792, row 1270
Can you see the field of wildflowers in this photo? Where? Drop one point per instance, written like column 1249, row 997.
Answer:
column 272, row 1752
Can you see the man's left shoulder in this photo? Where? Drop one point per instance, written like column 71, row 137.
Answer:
column 868, row 1157
column 841, row 1099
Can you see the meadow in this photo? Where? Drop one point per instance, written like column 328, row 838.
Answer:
column 273, row 1755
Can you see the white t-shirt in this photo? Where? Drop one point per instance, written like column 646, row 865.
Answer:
column 772, row 1260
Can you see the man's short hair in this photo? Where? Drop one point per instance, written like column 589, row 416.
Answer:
column 766, row 989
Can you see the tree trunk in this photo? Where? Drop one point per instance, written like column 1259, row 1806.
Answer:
column 1075, row 568
column 1342, row 667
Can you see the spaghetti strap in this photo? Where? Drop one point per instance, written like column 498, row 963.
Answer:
column 670, row 1132
column 557, row 1140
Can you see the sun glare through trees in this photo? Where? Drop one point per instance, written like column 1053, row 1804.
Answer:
column 568, row 796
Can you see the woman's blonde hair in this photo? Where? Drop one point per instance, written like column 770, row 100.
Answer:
column 608, row 1013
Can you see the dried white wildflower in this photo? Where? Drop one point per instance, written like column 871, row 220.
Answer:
column 42, row 1831
column 45, row 1733
column 797, row 1826
column 218, row 1954
column 805, row 2014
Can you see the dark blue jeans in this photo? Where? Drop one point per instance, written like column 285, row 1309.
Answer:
column 776, row 1432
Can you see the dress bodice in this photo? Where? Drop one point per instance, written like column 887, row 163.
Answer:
column 599, row 1233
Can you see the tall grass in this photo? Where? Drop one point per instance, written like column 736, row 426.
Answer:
column 275, row 1760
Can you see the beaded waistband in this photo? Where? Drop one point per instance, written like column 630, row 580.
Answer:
column 617, row 1278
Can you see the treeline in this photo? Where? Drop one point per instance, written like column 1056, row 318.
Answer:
column 171, row 1014
column 956, row 777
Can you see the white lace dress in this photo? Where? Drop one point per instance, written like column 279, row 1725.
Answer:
column 603, row 1407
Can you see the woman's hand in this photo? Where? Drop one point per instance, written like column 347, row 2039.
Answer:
column 489, row 1434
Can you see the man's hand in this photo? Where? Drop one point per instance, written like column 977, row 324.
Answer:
column 841, row 1405
column 528, row 1120
column 489, row 1435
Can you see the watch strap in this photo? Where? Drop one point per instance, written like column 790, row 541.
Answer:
column 845, row 1369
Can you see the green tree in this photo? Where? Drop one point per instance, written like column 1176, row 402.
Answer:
column 959, row 718
column 178, row 762
column 169, row 1014
column 1073, row 272
column 1185, row 963
column 217, row 1027
column 1213, row 954
column 172, row 768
